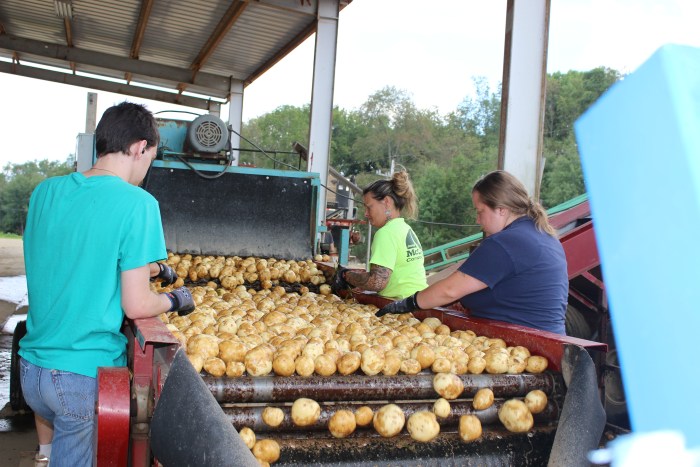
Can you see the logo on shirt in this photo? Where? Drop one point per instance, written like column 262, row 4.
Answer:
column 413, row 249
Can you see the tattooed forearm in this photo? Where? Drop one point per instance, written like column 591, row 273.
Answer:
column 376, row 279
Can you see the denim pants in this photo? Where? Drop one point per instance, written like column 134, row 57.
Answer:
column 67, row 400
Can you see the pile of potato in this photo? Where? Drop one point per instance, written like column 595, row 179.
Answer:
column 231, row 271
column 238, row 330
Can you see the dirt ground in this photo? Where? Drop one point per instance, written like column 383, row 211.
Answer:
column 11, row 257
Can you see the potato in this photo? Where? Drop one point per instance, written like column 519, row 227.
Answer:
column 197, row 361
column 448, row 385
column 521, row 352
column 305, row 411
column 214, row 366
column 389, row 420
column 267, row 450
column 304, row 365
column 483, row 399
column 283, row 365
column 273, row 416
column 372, row 361
column 349, row 363
column 342, row 423
column 324, row 365
column 442, row 408
column 258, row 361
column 441, row 365
column 496, row 362
column 205, row 345
column 234, row 369
column 364, row 415
column 536, row 364
column 424, row 354
column 536, row 401
column 392, row 364
column 515, row 416
column 469, row 428
column 423, row 426
column 232, row 351
column 248, row 436
column 476, row 365
column 410, row 366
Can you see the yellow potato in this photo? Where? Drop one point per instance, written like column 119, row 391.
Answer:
column 410, row 366
column 469, row 428
column 483, row 399
column 372, row 361
column 536, row 364
column 476, row 365
column 441, row 365
column 267, row 450
column 214, row 366
column 536, row 401
column 305, row 411
column 424, row 354
column 515, row 416
column 205, row 345
column 197, row 361
column 232, row 350
column 342, row 423
column 248, row 436
column 389, row 420
column 304, row 365
column 283, row 365
column 423, row 426
column 258, row 361
column 392, row 364
column 364, row 416
column 349, row 363
column 234, row 369
column 273, row 416
column 448, row 385
column 496, row 362
column 442, row 408
column 324, row 365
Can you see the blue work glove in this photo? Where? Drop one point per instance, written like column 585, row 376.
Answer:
column 338, row 282
column 166, row 273
column 181, row 301
column 398, row 307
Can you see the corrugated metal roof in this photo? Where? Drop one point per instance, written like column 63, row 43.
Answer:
column 181, row 45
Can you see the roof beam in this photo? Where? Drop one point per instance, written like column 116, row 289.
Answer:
column 144, row 16
column 109, row 86
column 211, row 84
column 227, row 21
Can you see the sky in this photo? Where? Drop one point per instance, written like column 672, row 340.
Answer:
column 431, row 50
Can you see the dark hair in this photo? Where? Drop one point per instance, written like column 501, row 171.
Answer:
column 400, row 189
column 500, row 189
column 122, row 125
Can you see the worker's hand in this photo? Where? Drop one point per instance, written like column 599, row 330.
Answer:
column 181, row 301
column 406, row 305
column 338, row 282
column 166, row 273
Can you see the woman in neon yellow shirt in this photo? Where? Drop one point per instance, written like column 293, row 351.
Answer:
column 396, row 262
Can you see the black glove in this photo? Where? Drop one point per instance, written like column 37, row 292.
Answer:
column 398, row 307
column 166, row 273
column 181, row 301
column 338, row 281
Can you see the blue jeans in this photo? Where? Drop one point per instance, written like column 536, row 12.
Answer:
column 67, row 400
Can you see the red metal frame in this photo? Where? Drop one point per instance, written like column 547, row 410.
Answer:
column 113, row 416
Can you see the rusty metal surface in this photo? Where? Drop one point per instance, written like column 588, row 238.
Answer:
column 251, row 415
column 358, row 387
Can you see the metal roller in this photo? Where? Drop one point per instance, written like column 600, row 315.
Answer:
column 359, row 387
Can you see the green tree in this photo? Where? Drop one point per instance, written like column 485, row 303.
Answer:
column 275, row 133
column 18, row 182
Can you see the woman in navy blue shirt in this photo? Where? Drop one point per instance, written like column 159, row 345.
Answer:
column 518, row 272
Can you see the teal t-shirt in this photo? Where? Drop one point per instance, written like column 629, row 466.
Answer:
column 81, row 233
column 396, row 246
